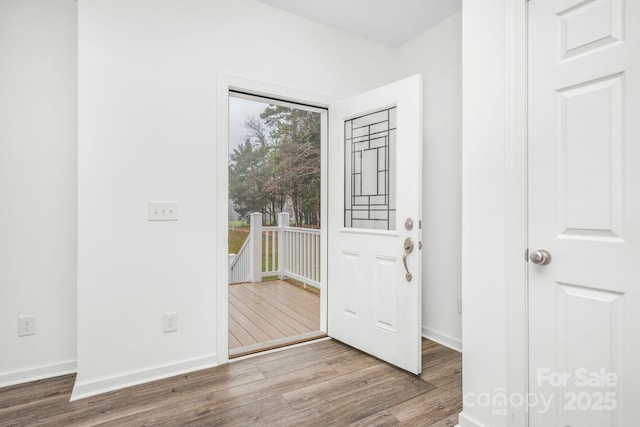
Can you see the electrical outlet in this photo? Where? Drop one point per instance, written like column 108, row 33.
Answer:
column 170, row 322
column 163, row 211
column 26, row 325
column 459, row 305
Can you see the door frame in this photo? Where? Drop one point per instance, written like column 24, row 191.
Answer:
column 227, row 82
column 505, row 44
column 506, row 48
column 516, row 205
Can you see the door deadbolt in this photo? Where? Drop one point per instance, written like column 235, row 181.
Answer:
column 408, row 224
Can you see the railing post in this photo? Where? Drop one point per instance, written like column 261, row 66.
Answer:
column 283, row 221
column 256, row 247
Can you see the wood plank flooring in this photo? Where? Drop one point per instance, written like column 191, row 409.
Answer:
column 325, row 383
column 270, row 314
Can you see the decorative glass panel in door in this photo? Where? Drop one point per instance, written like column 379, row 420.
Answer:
column 369, row 142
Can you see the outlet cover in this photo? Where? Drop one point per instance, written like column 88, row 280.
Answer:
column 26, row 325
column 170, row 322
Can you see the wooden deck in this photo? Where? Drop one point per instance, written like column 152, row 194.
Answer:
column 321, row 384
column 271, row 314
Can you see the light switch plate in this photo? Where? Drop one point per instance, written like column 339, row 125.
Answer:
column 163, row 211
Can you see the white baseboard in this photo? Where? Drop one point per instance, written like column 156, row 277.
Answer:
column 35, row 373
column 92, row 387
column 444, row 339
column 466, row 421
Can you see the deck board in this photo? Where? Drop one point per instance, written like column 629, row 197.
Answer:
column 238, row 306
column 301, row 301
column 269, row 312
column 299, row 315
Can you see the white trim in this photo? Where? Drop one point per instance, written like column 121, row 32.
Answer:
column 221, row 220
column 35, row 373
column 225, row 83
column 84, row 389
column 516, row 195
column 512, row 28
column 324, row 218
column 274, row 101
column 465, row 421
column 442, row 338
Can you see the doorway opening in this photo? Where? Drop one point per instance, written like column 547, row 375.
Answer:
column 274, row 227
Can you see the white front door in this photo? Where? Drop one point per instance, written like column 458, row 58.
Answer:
column 584, row 210
column 375, row 181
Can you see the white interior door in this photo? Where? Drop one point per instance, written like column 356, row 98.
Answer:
column 584, row 209
column 375, row 181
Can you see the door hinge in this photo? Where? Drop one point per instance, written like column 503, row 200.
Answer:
column 526, row 255
column 419, row 224
column 420, row 244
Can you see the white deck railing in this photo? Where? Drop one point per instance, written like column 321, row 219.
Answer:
column 240, row 264
column 300, row 255
column 288, row 252
column 270, row 251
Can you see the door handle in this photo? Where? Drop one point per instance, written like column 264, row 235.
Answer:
column 540, row 257
column 408, row 248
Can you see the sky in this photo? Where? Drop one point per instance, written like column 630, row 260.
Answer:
column 239, row 111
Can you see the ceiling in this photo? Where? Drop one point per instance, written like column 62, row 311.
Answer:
column 389, row 22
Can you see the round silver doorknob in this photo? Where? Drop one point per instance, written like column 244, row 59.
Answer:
column 540, row 257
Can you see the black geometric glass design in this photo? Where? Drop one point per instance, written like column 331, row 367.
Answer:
column 370, row 170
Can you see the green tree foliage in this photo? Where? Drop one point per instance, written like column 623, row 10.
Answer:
column 278, row 162
column 247, row 171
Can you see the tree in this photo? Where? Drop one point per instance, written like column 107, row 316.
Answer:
column 279, row 161
column 244, row 179
column 247, row 171
column 296, row 136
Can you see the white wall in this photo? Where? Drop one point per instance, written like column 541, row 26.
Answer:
column 38, row 144
column 147, row 131
column 437, row 55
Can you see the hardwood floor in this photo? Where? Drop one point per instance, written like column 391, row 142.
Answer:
column 320, row 384
column 271, row 314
